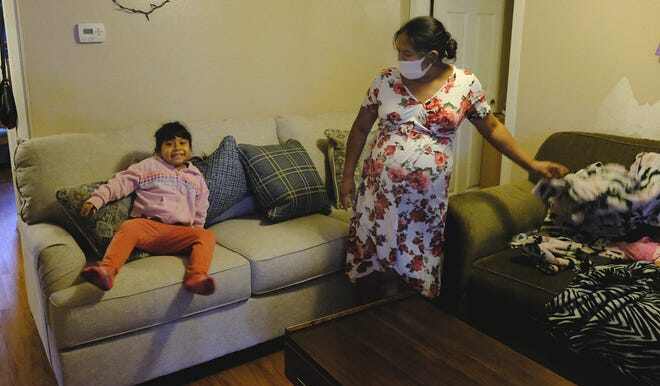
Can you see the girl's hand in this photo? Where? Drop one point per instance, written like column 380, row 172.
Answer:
column 549, row 169
column 88, row 209
column 347, row 191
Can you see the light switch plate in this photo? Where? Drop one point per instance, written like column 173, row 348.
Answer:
column 90, row 33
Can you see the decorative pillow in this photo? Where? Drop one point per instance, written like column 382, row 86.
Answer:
column 246, row 206
column 284, row 180
column 97, row 230
column 337, row 139
column 225, row 179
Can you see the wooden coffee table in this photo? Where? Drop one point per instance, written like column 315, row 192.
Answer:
column 403, row 341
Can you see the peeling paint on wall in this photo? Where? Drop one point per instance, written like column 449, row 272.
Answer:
column 621, row 113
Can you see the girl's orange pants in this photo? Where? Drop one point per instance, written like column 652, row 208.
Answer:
column 157, row 238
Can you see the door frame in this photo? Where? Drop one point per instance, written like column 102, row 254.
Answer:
column 517, row 23
column 11, row 12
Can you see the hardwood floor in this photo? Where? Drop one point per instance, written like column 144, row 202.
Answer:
column 22, row 358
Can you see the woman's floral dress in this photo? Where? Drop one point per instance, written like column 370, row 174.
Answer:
column 399, row 215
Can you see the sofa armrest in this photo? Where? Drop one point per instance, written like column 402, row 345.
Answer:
column 55, row 255
column 481, row 223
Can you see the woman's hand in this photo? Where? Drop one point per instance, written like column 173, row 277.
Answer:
column 347, row 192
column 549, row 169
column 88, row 209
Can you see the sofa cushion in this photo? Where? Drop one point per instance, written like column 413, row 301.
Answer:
column 46, row 164
column 506, row 301
column 245, row 207
column 147, row 292
column 224, row 177
column 343, row 215
column 308, row 130
column 286, row 253
column 207, row 133
column 498, row 279
column 284, row 180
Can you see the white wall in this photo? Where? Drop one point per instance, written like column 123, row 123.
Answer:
column 574, row 55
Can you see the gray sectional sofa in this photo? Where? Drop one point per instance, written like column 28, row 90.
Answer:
column 269, row 276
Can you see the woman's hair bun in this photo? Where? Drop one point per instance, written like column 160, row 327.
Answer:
column 450, row 49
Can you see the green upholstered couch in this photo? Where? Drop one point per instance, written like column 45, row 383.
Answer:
column 505, row 298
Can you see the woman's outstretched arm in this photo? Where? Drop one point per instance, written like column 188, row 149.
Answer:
column 499, row 136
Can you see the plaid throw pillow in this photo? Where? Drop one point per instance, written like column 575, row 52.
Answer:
column 95, row 231
column 225, row 179
column 284, row 180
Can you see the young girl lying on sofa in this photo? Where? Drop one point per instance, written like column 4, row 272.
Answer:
column 168, row 213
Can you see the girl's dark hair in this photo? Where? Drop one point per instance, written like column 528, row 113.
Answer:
column 169, row 131
column 427, row 33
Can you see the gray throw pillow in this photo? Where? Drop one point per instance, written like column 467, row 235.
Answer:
column 95, row 231
column 284, row 180
column 245, row 207
column 225, row 179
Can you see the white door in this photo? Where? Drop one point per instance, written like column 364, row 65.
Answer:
column 478, row 27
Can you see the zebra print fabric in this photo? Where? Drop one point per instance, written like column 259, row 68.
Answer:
column 613, row 313
column 646, row 170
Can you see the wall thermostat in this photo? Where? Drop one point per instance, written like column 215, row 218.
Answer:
column 90, row 33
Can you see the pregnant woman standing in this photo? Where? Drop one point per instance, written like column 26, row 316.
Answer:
column 401, row 202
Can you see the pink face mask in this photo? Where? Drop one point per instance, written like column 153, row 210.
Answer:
column 413, row 69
